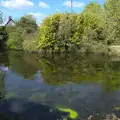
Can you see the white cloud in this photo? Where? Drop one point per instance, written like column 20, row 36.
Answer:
column 17, row 4
column 38, row 16
column 43, row 5
column 75, row 4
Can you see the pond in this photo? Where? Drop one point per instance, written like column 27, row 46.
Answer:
column 59, row 87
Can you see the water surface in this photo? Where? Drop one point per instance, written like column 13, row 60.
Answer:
column 33, row 87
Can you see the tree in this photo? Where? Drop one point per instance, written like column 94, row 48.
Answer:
column 1, row 17
column 93, row 7
column 47, row 33
column 28, row 23
column 93, row 21
column 3, row 33
column 24, row 28
column 66, row 31
column 16, row 37
column 112, row 19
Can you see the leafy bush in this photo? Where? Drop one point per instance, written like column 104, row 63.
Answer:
column 62, row 32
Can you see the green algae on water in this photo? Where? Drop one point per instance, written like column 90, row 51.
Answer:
column 72, row 114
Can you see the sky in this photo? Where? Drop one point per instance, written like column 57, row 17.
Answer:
column 40, row 8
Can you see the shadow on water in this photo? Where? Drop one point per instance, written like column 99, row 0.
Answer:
column 23, row 110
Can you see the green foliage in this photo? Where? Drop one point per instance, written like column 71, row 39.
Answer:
column 112, row 19
column 90, row 31
column 19, row 34
column 1, row 17
column 93, row 8
column 28, row 23
column 3, row 33
column 16, row 37
column 47, row 34
column 69, row 32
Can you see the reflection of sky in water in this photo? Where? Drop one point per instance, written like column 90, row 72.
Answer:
column 4, row 69
column 85, row 98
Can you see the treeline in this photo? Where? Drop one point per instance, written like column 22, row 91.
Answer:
column 93, row 29
column 64, row 32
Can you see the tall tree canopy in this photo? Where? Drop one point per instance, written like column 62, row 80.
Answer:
column 1, row 17
column 29, row 23
column 112, row 18
column 65, row 31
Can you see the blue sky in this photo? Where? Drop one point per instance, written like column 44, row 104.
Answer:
column 40, row 8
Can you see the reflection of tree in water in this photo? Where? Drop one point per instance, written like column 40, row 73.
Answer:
column 3, row 46
column 63, row 69
column 24, row 64
column 4, row 58
column 111, row 75
column 66, row 70
column 79, row 69
column 59, row 70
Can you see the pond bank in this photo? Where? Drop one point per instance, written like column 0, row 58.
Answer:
column 113, row 50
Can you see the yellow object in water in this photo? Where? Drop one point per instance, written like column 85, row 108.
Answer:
column 73, row 114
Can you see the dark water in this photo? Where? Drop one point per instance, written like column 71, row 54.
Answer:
column 35, row 86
